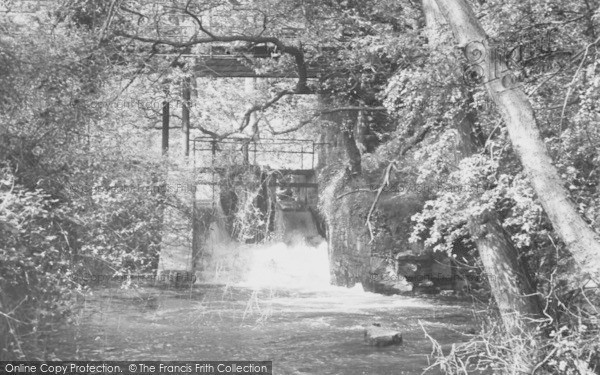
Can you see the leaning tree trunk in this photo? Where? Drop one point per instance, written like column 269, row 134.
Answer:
column 581, row 241
column 509, row 281
column 512, row 290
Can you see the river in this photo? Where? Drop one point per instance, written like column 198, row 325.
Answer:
column 304, row 329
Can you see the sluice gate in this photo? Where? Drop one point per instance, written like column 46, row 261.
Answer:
column 243, row 192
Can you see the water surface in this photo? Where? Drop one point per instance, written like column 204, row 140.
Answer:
column 316, row 331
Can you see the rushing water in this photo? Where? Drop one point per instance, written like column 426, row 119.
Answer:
column 308, row 328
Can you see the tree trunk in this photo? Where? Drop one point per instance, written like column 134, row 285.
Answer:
column 509, row 281
column 165, row 126
column 344, row 134
column 582, row 242
column 471, row 137
column 352, row 151
column 185, row 114
column 512, row 289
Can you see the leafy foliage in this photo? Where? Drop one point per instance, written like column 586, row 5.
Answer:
column 81, row 97
column 35, row 277
column 58, row 209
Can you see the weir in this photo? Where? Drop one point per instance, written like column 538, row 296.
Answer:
column 244, row 212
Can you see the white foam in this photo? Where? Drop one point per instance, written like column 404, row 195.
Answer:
column 297, row 266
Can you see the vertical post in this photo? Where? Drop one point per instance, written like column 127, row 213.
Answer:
column 213, row 145
column 185, row 115
column 165, row 126
column 246, row 152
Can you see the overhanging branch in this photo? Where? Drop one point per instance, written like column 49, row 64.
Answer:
column 318, row 114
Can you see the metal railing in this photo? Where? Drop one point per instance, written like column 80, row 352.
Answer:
column 276, row 153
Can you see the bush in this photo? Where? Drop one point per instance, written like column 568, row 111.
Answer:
column 34, row 265
column 121, row 224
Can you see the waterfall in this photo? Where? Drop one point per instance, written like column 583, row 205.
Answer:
column 297, row 265
column 296, row 259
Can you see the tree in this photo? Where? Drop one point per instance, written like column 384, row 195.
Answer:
column 509, row 281
column 583, row 243
column 294, row 32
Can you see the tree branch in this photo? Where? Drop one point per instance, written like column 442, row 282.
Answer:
column 355, row 109
column 386, row 175
column 354, row 192
column 325, row 112
column 196, row 19
column 140, row 15
column 386, row 182
column 262, row 107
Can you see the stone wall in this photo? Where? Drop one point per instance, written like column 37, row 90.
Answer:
column 349, row 248
column 388, row 262
column 176, row 256
column 347, row 237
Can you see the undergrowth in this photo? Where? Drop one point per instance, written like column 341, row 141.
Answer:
column 566, row 340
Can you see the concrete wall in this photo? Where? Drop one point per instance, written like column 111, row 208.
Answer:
column 176, row 256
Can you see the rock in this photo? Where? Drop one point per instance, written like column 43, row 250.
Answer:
column 428, row 267
column 381, row 336
column 426, row 289
column 408, row 269
column 384, row 279
column 314, row 241
column 441, row 267
column 388, row 287
column 397, row 287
